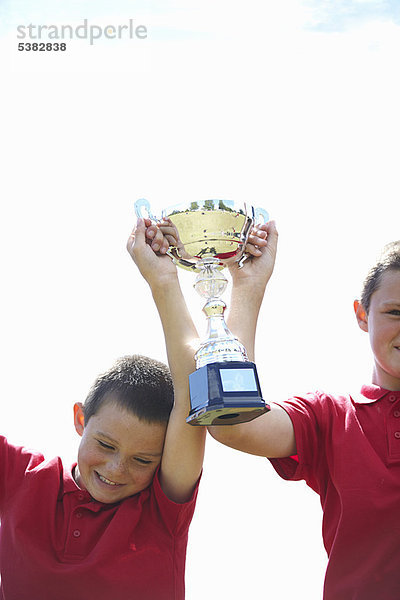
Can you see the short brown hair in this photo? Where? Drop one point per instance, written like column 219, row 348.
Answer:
column 389, row 259
column 139, row 384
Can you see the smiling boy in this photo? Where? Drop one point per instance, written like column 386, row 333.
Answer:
column 345, row 446
column 126, row 415
column 117, row 457
column 116, row 524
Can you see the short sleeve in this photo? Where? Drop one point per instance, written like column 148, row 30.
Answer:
column 176, row 517
column 309, row 418
column 15, row 461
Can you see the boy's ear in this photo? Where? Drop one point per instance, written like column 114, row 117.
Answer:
column 79, row 419
column 361, row 315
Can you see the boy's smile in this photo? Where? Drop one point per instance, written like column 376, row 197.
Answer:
column 383, row 326
column 118, row 454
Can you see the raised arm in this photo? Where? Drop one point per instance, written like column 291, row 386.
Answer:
column 271, row 434
column 184, row 444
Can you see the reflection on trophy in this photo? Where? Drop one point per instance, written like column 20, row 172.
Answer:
column 211, row 234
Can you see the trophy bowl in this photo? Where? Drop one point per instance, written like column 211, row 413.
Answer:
column 208, row 229
column 210, row 235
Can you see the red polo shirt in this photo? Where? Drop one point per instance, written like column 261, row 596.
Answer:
column 57, row 543
column 349, row 453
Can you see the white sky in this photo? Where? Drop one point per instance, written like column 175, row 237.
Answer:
column 288, row 105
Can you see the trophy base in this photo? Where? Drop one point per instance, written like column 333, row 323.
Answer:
column 226, row 415
column 225, row 393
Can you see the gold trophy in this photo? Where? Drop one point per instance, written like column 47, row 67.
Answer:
column 212, row 234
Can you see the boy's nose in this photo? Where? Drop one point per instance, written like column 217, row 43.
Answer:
column 117, row 467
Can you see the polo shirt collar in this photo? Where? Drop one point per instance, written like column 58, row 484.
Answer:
column 371, row 393
column 70, row 484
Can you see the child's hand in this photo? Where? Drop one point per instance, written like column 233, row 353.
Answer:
column 161, row 236
column 261, row 248
column 153, row 264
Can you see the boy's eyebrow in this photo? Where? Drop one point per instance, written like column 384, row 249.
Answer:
column 105, row 435
column 154, row 454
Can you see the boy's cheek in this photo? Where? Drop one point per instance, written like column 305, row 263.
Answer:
column 144, row 479
column 87, row 457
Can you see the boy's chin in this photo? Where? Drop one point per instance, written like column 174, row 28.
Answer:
column 107, row 498
column 103, row 500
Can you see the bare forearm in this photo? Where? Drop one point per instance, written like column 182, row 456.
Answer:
column 249, row 285
column 183, row 452
column 184, row 444
column 271, row 435
column 243, row 314
column 178, row 327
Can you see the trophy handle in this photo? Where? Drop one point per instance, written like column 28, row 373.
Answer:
column 261, row 212
column 140, row 204
column 260, row 216
column 181, row 262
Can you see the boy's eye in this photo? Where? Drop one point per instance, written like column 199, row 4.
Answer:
column 395, row 312
column 106, row 446
column 142, row 461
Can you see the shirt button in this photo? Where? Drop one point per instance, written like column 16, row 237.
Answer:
column 396, row 413
column 397, row 434
column 76, row 533
column 79, row 515
column 80, row 497
column 392, row 398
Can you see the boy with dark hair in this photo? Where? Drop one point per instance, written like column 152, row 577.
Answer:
column 346, row 447
column 142, row 385
column 116, row 524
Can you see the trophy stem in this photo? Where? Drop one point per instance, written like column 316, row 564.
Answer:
column 210, row 281
column 220, row 344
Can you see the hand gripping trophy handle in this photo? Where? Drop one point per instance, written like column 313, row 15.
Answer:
column 225, row 388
